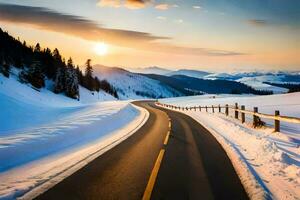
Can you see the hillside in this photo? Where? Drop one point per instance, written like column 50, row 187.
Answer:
column 151, row 70
column 134, row 86
column 190, row 73
column 186, row 83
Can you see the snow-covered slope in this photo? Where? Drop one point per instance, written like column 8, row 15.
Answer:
column 44, row 137
column 257, row 79
column 133, row 86
column 258, row 83
column 268, row 163
column 188, row 72
column 151, row 70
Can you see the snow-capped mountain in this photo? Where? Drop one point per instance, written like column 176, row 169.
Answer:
column 258, row 80
column 151, row 70
column 190, row 73
column 134, row 86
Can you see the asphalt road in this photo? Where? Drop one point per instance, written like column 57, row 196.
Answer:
column 193, row 165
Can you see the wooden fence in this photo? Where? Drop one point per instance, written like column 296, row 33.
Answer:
column 242, row 112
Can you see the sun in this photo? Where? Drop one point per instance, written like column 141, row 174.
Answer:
column 101, row 48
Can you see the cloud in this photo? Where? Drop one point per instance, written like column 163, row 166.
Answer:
column 49, row 20
column 131, row 4
column 136, row 4
column 162, row 6
column 109, row 3
column 257, row 22
column 197, row 7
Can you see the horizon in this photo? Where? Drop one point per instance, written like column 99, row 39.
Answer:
column 258, row 36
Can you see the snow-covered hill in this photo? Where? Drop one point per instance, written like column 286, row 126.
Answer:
column 257, row 79
column 191, row 73
column 44, row 137
column 150, row 70
column 134, row 86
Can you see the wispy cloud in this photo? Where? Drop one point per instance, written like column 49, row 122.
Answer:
column 197, row 7
column 162, row 6
column 257, row 22
column 131, row 4
column 49, row 20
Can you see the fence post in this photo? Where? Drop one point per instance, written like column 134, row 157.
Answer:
column 200, row 108
column 243, row 114
column 255, row 118
column 236, row 113
column 277, row 122
column 226, row 110
column 206, row 108
column 219, row 108
column 195, row 108
column 213, row 109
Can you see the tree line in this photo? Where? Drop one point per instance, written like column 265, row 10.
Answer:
column 37, row 64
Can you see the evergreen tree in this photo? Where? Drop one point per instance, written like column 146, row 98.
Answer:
column 79, row 75
column 4, row 69
column 88, row 79
column 70, row 63
column 37, row 48
column 59, row 85
column 56, row 55
column 71, row 83
column 35, row 76
column 97, row 84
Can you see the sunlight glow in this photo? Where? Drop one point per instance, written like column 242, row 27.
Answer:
column 101, row 48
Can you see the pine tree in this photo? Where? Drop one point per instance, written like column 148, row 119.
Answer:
column 4, row 69
column 37, row 48
column 70, row 63
column 56, row 55
column 35, row 75
column 59, row 85
column 71, row 83
column 88, row 79
column 79, row 75
column 97, row 84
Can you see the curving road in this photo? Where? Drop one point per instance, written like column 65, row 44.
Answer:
column 185, row 163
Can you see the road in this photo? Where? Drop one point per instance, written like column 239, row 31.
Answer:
column 185, row 163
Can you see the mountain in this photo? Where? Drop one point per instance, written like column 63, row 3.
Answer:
column 189, row 84
column 188, row 72
column 260, row 80
column 151, row 70
column 134, row 86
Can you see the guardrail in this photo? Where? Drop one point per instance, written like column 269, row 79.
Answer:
column 242, row 111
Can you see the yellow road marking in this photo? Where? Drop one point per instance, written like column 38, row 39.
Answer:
column 167, row 138
column 152, row 179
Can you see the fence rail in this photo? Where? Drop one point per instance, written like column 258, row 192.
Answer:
column 241, row 111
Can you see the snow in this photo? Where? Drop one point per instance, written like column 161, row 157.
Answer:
column 150, row 70
column 133, row 86
column 258, row 83
column 268, row 163
column 44, row 137
column 256, row 79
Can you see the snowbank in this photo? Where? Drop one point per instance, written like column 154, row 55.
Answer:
column 45, row 137
column 268, row 163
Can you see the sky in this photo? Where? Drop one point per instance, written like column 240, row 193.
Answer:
column 213, row 35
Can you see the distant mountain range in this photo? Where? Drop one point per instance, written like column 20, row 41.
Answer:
column 130, row 85
column 257, row 79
